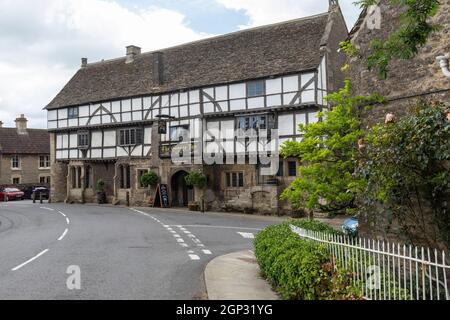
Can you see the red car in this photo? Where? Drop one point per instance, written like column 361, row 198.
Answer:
column 11, row 194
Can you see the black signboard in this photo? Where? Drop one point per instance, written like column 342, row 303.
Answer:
column 164, row 195
column 161, row 197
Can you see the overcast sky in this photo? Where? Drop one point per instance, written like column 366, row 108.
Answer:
column 42, row 41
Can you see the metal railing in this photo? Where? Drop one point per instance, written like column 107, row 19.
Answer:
column 387, row 271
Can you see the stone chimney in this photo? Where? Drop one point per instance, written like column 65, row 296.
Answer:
column 333, row 3
column 158, row 68
column 84, row 62
column 132, row 52
column 21, row 124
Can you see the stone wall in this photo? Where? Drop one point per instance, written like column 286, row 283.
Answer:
column 408, row 80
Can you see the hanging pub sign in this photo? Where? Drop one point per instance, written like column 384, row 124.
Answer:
column 162, row 126
column 161, row 199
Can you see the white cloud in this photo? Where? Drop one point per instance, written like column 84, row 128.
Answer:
column 261, row 12
column 43, row 41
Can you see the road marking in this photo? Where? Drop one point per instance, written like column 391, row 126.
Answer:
column 184, row 245
column 63, row 235
column 194, row 257
column 177, row 236
column 49, row 209
column 180, row 240
column 32, row 259
column 247, row 235
column 143, row 213
column 67, row 220
column 63, row 214
column 207, row 252
column 187, row 232
column 200, row 245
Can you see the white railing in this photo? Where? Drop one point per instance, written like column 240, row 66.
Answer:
column 387, row 271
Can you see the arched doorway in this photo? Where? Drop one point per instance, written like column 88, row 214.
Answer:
column 181, row 193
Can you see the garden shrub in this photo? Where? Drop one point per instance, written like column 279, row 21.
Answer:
column 300, row 269
column 149, row 179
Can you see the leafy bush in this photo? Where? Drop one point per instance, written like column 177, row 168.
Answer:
column 196, row 179
column 300, row 269
column 405, row 170
column 100, row 185
column 149, row 179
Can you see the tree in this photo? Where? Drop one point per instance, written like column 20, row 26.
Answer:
column 328, row 154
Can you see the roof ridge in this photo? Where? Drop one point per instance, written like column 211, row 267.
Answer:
column 216, row 37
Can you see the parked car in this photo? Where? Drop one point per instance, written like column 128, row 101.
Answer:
column 11, row 194
column 350, row 226
column 37, row 192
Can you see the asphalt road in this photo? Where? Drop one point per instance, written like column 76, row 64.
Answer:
column 121, row 253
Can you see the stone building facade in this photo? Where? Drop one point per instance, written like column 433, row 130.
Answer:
column 408, row 82
column 24, row 155
column 117, row 119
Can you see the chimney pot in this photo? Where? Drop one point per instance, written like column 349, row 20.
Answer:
column 84, row 62
column 132, row 52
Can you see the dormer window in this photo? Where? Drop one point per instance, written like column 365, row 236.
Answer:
column 255, row 89
column 73, row 113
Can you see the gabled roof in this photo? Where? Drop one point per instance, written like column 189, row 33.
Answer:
column 276, row 49
column 37, row 141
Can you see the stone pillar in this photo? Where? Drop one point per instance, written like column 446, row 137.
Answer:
column 156, row 139
column 59, row 172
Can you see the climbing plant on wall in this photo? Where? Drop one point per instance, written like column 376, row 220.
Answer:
column 411, row 34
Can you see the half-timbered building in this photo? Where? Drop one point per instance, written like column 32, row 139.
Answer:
column 106, row 123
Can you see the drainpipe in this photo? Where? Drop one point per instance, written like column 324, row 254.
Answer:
column 443, row 63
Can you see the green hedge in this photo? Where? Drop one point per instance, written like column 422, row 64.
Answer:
column 297, row 268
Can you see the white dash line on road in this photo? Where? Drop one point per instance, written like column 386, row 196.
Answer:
column 208, row 252
column 194, row 257
column 63, row 214
column 63, row 235
column 32, row 259
column 49, row 209
column 67, row 220
column 247, row 235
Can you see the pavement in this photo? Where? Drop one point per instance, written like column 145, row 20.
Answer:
column 114, row 252
column 236, row 276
